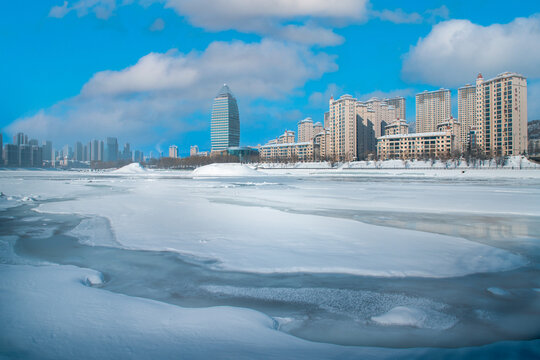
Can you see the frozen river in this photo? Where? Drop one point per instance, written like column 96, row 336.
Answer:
column 291, row 265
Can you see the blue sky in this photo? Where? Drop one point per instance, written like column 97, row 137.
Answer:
column 146, row 71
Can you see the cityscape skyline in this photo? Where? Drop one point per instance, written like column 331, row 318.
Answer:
column 280, row 74
column 492, row 120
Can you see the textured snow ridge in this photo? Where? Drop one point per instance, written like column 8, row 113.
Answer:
column 225, row 170
column 133, row 168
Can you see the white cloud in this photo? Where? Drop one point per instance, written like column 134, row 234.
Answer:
column 59, row 11
column 300, row 21
column 102, row 9
column 455, row 51
column 386, row 94
column 243, row 14
column 162, row 91
column 320, row 99
column 399, row 16
column 271, row 18
column 157, row 25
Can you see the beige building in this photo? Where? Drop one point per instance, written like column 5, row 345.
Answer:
column 193, row 150
column 466, row 110
column 432, row 108
column 173, row 151
column 501, row 114
column 305, row 130
column 342, row 127
column 396, row 127
column 286, row 138
column 323, row 140
column 287, row 151
column 399, row 105
column 455, row 128
column 414, row 146
column 317, row 128
column 378, row 112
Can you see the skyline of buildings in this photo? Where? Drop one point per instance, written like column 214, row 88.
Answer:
column 25, row 152
column 491, row 123
column 492, row 118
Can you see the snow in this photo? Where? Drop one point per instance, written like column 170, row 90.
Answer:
column 347, row 223
column 250, row 231
column 498, row 291
column 94, row 279
column 82, row 322
column 133, row 168
column 225, row 170
column 410, row 316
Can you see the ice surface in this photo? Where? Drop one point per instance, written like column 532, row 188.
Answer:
column 225, row 170
column 89, row 323
column 94, row 231
column 261, row 239
column 282, row 224
column 359, row 305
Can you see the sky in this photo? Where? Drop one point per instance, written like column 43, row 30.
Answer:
column 146, row 71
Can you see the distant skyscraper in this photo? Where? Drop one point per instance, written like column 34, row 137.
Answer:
column 112, row 149
column 48, row 151
column 173, row 151
column 225, row 125
column 78, row 155
column 20, row 139
column 432, row 108
column 126, row 154
column 194, row 150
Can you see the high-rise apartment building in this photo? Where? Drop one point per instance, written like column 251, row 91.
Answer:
column 378, row 112
column 343, row 129
column 305, row 130
column 432, row 108
column 193, row 150
column 466, row 110
column 317, row 128
column 173, row 151
column 225, row 125
column 398, row 103
column 501, row 114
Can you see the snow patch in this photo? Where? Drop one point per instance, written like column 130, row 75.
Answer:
column 225, row 170
column 498, row 291
column 133, row 168
column 410, row 316
column 95, row 279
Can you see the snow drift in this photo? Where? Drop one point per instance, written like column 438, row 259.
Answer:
column 133, row 168
column 225, row 170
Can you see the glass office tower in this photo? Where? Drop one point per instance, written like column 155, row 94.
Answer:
column 225, row 126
